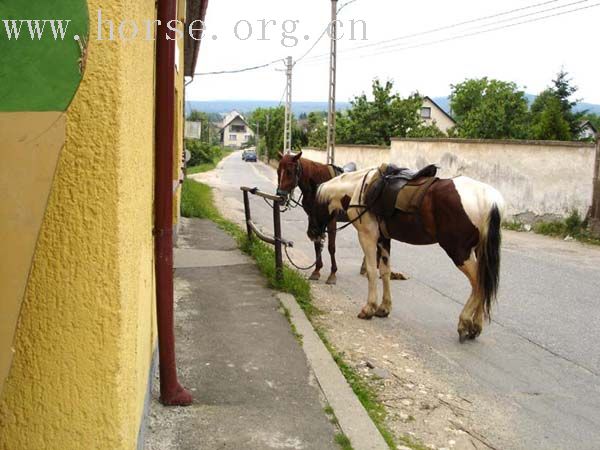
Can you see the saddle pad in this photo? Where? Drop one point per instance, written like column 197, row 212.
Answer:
column 411, row 196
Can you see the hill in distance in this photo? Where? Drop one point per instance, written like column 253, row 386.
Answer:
column 246, row 106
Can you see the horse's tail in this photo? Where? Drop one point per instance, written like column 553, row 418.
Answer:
column 488, row 256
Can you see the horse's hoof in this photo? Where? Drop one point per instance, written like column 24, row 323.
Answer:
column 462, row 335
column 382, row 312
column 314, row 276
column 475, row 331
column 332, row 279
column 398, row 276
column 364, row 315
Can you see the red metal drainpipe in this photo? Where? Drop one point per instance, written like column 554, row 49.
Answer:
column 171, row 392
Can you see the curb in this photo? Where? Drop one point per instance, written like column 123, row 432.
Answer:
column 352, row 417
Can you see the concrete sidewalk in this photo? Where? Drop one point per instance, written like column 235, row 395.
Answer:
column 253, row 387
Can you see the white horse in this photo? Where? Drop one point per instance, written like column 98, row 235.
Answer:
column 462, row 215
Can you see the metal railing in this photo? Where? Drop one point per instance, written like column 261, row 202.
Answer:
column 276, row 240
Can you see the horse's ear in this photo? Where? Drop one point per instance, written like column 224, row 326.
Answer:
column 280, row 155
column 297, row 157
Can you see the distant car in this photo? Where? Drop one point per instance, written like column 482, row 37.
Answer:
column 244, row 153
column 250, row 156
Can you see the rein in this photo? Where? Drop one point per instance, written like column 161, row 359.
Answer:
column 294, row 264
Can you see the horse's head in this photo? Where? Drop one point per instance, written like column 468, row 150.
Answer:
column 319, row 218
column 288, row 174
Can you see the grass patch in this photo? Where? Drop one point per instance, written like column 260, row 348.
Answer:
column 197, row 201
column 513, row 226
column 343, row 441
column 201, row 168
column 340, row 438
column 573, row 226
column 288, row 316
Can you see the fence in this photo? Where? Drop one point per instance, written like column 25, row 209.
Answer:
column 276, row 240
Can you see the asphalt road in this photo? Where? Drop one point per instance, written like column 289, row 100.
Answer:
column 540, row 357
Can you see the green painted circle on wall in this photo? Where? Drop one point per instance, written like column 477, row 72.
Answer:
column 40, row 57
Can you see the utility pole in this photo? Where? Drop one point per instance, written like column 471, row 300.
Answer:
column 267, row 139
column 287, row 133
column 332, row 80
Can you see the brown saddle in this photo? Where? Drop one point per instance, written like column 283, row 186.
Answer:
column 396, row 188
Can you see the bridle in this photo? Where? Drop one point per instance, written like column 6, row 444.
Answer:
column 290, row 201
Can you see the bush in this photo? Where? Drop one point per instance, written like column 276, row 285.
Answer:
column 573, row 226
column 574, row 223
column 202, row 152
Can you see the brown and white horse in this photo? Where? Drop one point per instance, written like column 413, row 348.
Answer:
column 462, row 215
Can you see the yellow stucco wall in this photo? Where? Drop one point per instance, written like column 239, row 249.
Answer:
column 86, row 332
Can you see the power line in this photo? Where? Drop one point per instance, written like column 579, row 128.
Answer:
column 323, row 34
column 245, row 69
column 536, row 19
column 283, row 95
column 262, row 66
column 535, row 13
column 448, row 27
column 398, row 48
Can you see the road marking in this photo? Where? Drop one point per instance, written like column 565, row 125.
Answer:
column 272, row 180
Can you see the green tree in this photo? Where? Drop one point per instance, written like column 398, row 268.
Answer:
column 563, row 89
column 553, row 109
column 489, row 109
column 378, row 120
column 271, row 122
column 548, row 120
column 317, row 129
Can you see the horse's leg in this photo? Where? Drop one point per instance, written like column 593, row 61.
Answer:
column 368, row 241
column 478, row 320
column 319, row 262
column 467, row 327
column 384, row 246
column 363, row 266
column 331, row 247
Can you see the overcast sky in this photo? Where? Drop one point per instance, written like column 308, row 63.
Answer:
column 528, row 54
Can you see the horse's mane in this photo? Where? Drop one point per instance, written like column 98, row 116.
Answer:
column 342, row 185
column 314, row 171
